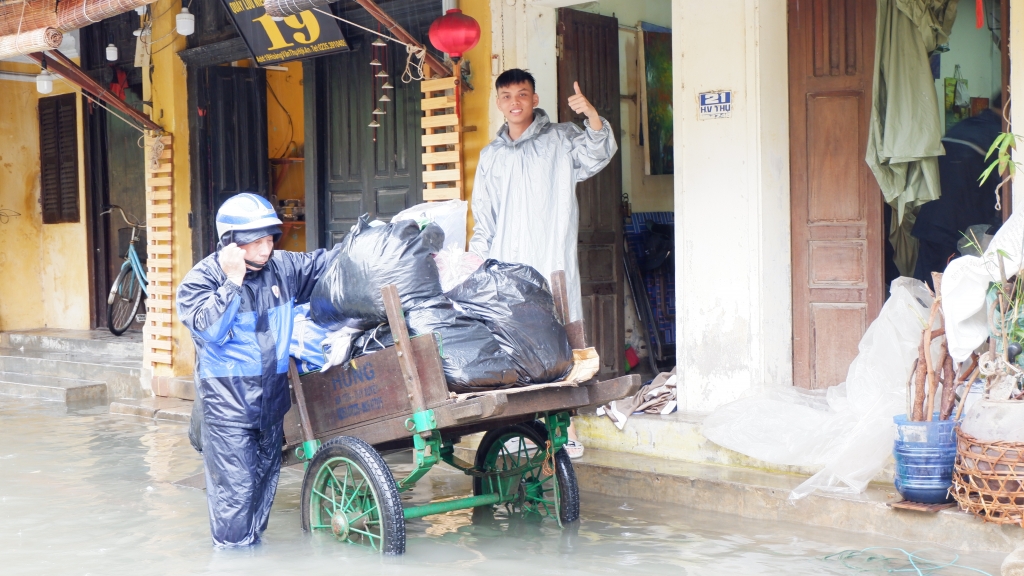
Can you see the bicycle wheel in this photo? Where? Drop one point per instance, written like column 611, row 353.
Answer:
column 123, row 302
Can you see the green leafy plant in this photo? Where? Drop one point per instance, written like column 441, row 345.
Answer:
column 1003, row 163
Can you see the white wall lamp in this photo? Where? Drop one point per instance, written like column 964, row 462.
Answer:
column 111, row 52
column 44, row 81
column 185, row 22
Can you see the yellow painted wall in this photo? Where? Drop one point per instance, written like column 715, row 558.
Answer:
column 168, row 92
column 287, row 140
column 477, row 104
column 45, row 268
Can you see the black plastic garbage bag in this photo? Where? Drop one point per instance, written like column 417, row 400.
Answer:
column 470, row 355
column 472, row 358
column 515, row 303
column 369, row 258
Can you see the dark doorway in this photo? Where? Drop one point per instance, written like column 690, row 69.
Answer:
column 356, row 169
column 590, row 55
column 230, row 149
column 115, row 161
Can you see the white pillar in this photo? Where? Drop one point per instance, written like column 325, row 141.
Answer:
column 733, row 268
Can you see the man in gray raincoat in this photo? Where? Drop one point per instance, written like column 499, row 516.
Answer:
column 524, row 195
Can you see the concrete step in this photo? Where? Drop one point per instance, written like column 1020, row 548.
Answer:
column 71, row 391
column 678, row 437
column 764, row 497
column 181, row 387
column 127, row 346
column 118, row 373
column 157, row 408
column 67, row 364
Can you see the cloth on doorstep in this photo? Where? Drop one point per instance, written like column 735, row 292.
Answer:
column 656, row 397
column 524, row 196
column 905, row 131
column 942, row 223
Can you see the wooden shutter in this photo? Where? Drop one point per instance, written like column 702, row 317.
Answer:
column 58, row 159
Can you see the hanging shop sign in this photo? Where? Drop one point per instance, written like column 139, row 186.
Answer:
column 714, row 105
column 303, row 35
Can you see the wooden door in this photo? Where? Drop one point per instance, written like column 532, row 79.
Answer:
column 589, row 54
column 366, row 170
column 836, row 204
column 233, row 154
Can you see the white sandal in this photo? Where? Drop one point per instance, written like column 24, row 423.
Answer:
column 574, row 448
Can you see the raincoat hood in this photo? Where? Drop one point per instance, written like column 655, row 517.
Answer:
column 541, row 120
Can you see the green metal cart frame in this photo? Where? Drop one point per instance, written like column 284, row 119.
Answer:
column 341, row 420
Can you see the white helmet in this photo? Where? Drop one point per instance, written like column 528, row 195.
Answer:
column 245, row 211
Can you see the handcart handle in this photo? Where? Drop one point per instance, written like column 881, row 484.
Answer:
column 300, row 399
column 400, row 332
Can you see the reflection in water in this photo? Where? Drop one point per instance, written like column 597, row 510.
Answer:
column 90, row 493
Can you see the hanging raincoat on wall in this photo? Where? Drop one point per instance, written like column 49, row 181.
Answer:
column 904, row 140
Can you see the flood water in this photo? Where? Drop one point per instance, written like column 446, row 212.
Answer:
column 89, row 493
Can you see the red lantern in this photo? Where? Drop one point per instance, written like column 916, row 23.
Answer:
column 454, row 33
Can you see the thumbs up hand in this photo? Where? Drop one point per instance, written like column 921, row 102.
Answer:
column 580, row 105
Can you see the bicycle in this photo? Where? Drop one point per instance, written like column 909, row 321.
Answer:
column 131, row 282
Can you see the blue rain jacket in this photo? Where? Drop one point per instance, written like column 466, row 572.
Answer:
column 242, row 335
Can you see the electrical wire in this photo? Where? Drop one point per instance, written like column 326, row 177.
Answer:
column 101, row 105
column 350, row 23
column 863, row 561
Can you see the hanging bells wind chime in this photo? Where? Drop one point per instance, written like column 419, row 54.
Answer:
column 379, row 51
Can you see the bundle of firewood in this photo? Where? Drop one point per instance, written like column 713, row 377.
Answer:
column 929, row 372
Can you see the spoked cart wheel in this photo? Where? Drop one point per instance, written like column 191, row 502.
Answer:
column 517, row 458
column 349, row 491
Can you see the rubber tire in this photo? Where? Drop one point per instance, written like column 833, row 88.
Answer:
column 536, row 432
column 125, row 275
column 381, row 480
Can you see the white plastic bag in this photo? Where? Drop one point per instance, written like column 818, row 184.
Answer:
column 965, row 283
column 450, row 215
column 454, row 265
column 848, row 429
column 338, row 346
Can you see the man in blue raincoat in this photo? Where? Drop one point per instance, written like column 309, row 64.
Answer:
column 237, row 303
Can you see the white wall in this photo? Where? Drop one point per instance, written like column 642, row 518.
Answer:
column 731, row 186
column 733, row 284
column 972, row 48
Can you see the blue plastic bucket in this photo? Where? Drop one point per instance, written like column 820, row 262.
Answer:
column 924, row 453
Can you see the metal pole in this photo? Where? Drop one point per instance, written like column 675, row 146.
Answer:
column 449, row 505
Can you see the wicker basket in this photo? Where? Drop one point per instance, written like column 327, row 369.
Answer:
column 988, row 479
